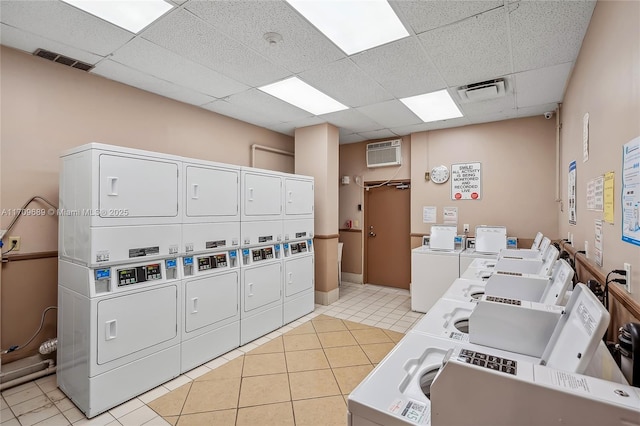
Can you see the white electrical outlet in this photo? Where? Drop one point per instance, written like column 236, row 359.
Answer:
column 627, row 267
column 465, row 228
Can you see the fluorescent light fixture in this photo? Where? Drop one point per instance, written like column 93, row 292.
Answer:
column 132, row 15
column 298, row 93
column 353, row 25
column 433, row 106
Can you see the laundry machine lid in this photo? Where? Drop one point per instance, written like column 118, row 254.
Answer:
column 491, row 239
column 578, row 333
column 443, row 237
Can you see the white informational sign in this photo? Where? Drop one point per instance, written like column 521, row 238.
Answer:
column 595, row 194
column 572, row 192
column 597, row 250
column 585, row 138
column 631, row 192
column 466, row 181
column 429, row 214
column 450, row 215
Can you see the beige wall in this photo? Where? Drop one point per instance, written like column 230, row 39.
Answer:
column 518, row 179
column 517, row 171
column 46, row 108
column 606, row 84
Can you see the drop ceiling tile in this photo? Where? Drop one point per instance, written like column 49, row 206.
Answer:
column 351, row 138
column 351, row 120
column 471, row 51
column 427, row 15
column 154, row 60
column 302, row 46
column 390, row 114
column 547, row 33
column 64, row 24
column 284, row 128
column 29, row 42
column 289, row 127
column 267, row 106
column 503, row 104
column 446, row 124
column 118, row 72
column 495, row 116
column 402, row 67
column 542, row 86
column 407, row 130
column 189, row 36
column 378, row 134
column 536, row 110
column 346, row 83
column 234, row 111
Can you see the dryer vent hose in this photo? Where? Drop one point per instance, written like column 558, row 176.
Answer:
column 49, row 346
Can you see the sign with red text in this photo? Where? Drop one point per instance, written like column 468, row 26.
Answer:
column 466, row 181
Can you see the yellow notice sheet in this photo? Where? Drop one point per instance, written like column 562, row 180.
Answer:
column 608, row 197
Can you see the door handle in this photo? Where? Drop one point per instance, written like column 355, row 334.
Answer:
column 113, row 186
column 372, row 234
column 195, row 191
column 195, row 305
column 111, row 330
column 250, row 289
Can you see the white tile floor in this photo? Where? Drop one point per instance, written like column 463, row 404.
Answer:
column 41, row 403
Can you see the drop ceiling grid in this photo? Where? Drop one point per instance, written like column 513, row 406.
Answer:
column 403, row 68
column 422, row 16
column 268, row 106
column 65, row 24
column 378, row 134
column 29, row 42
column 302, row 47
column 544, row 85
column 389, row 114
column 346, row 83
column 470, row 51
column 118, row 72
column 154, row 60
column 504, row 104
column 239, row 113
column 544, row 36
column 189, row 36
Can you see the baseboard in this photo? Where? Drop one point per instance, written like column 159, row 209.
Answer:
column 327, row 297
column 352, row 278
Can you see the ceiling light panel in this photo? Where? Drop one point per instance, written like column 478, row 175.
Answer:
column 132, row 15
column 353, row 25
column 298, row 93
column 433, row 106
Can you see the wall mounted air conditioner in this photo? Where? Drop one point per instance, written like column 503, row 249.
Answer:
column 387, row 153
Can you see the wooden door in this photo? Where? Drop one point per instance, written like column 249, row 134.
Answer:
column 387, row 237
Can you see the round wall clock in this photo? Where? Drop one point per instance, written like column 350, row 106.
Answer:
column 440, row 174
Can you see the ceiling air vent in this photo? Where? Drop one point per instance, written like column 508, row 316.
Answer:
column 483, row 91
column 386, row 153
column 64, row 60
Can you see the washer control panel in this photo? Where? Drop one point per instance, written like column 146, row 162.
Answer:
column 139, row 274
column 503, row 300
column 212, row 262
column 491, row 362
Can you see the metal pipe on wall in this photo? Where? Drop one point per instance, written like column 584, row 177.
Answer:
column 268, row 149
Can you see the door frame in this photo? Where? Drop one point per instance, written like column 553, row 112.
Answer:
column 365, row 230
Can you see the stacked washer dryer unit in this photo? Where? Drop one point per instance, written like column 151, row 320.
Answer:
column 298, row 259
column 488, row 242
column 261, row 228
column 210, row 266
column 119, row 287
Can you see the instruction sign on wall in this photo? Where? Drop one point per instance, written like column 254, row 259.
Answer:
column 466, row 181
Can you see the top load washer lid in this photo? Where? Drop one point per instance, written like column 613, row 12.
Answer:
column 561, row 277
column 443, row 237
column 578, row 332
column 491, row 239
column 536, row 241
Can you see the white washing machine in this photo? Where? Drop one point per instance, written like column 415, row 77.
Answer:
column 398, row 390
column 483, row 268
column 434, row 267
column 119, row 205
column 118, row 331
column 535, row 288
column 527, row 253
column 486, row 244
column 211, row 294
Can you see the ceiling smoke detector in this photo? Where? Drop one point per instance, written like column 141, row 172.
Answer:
column 272, row 38
column 482, row 91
